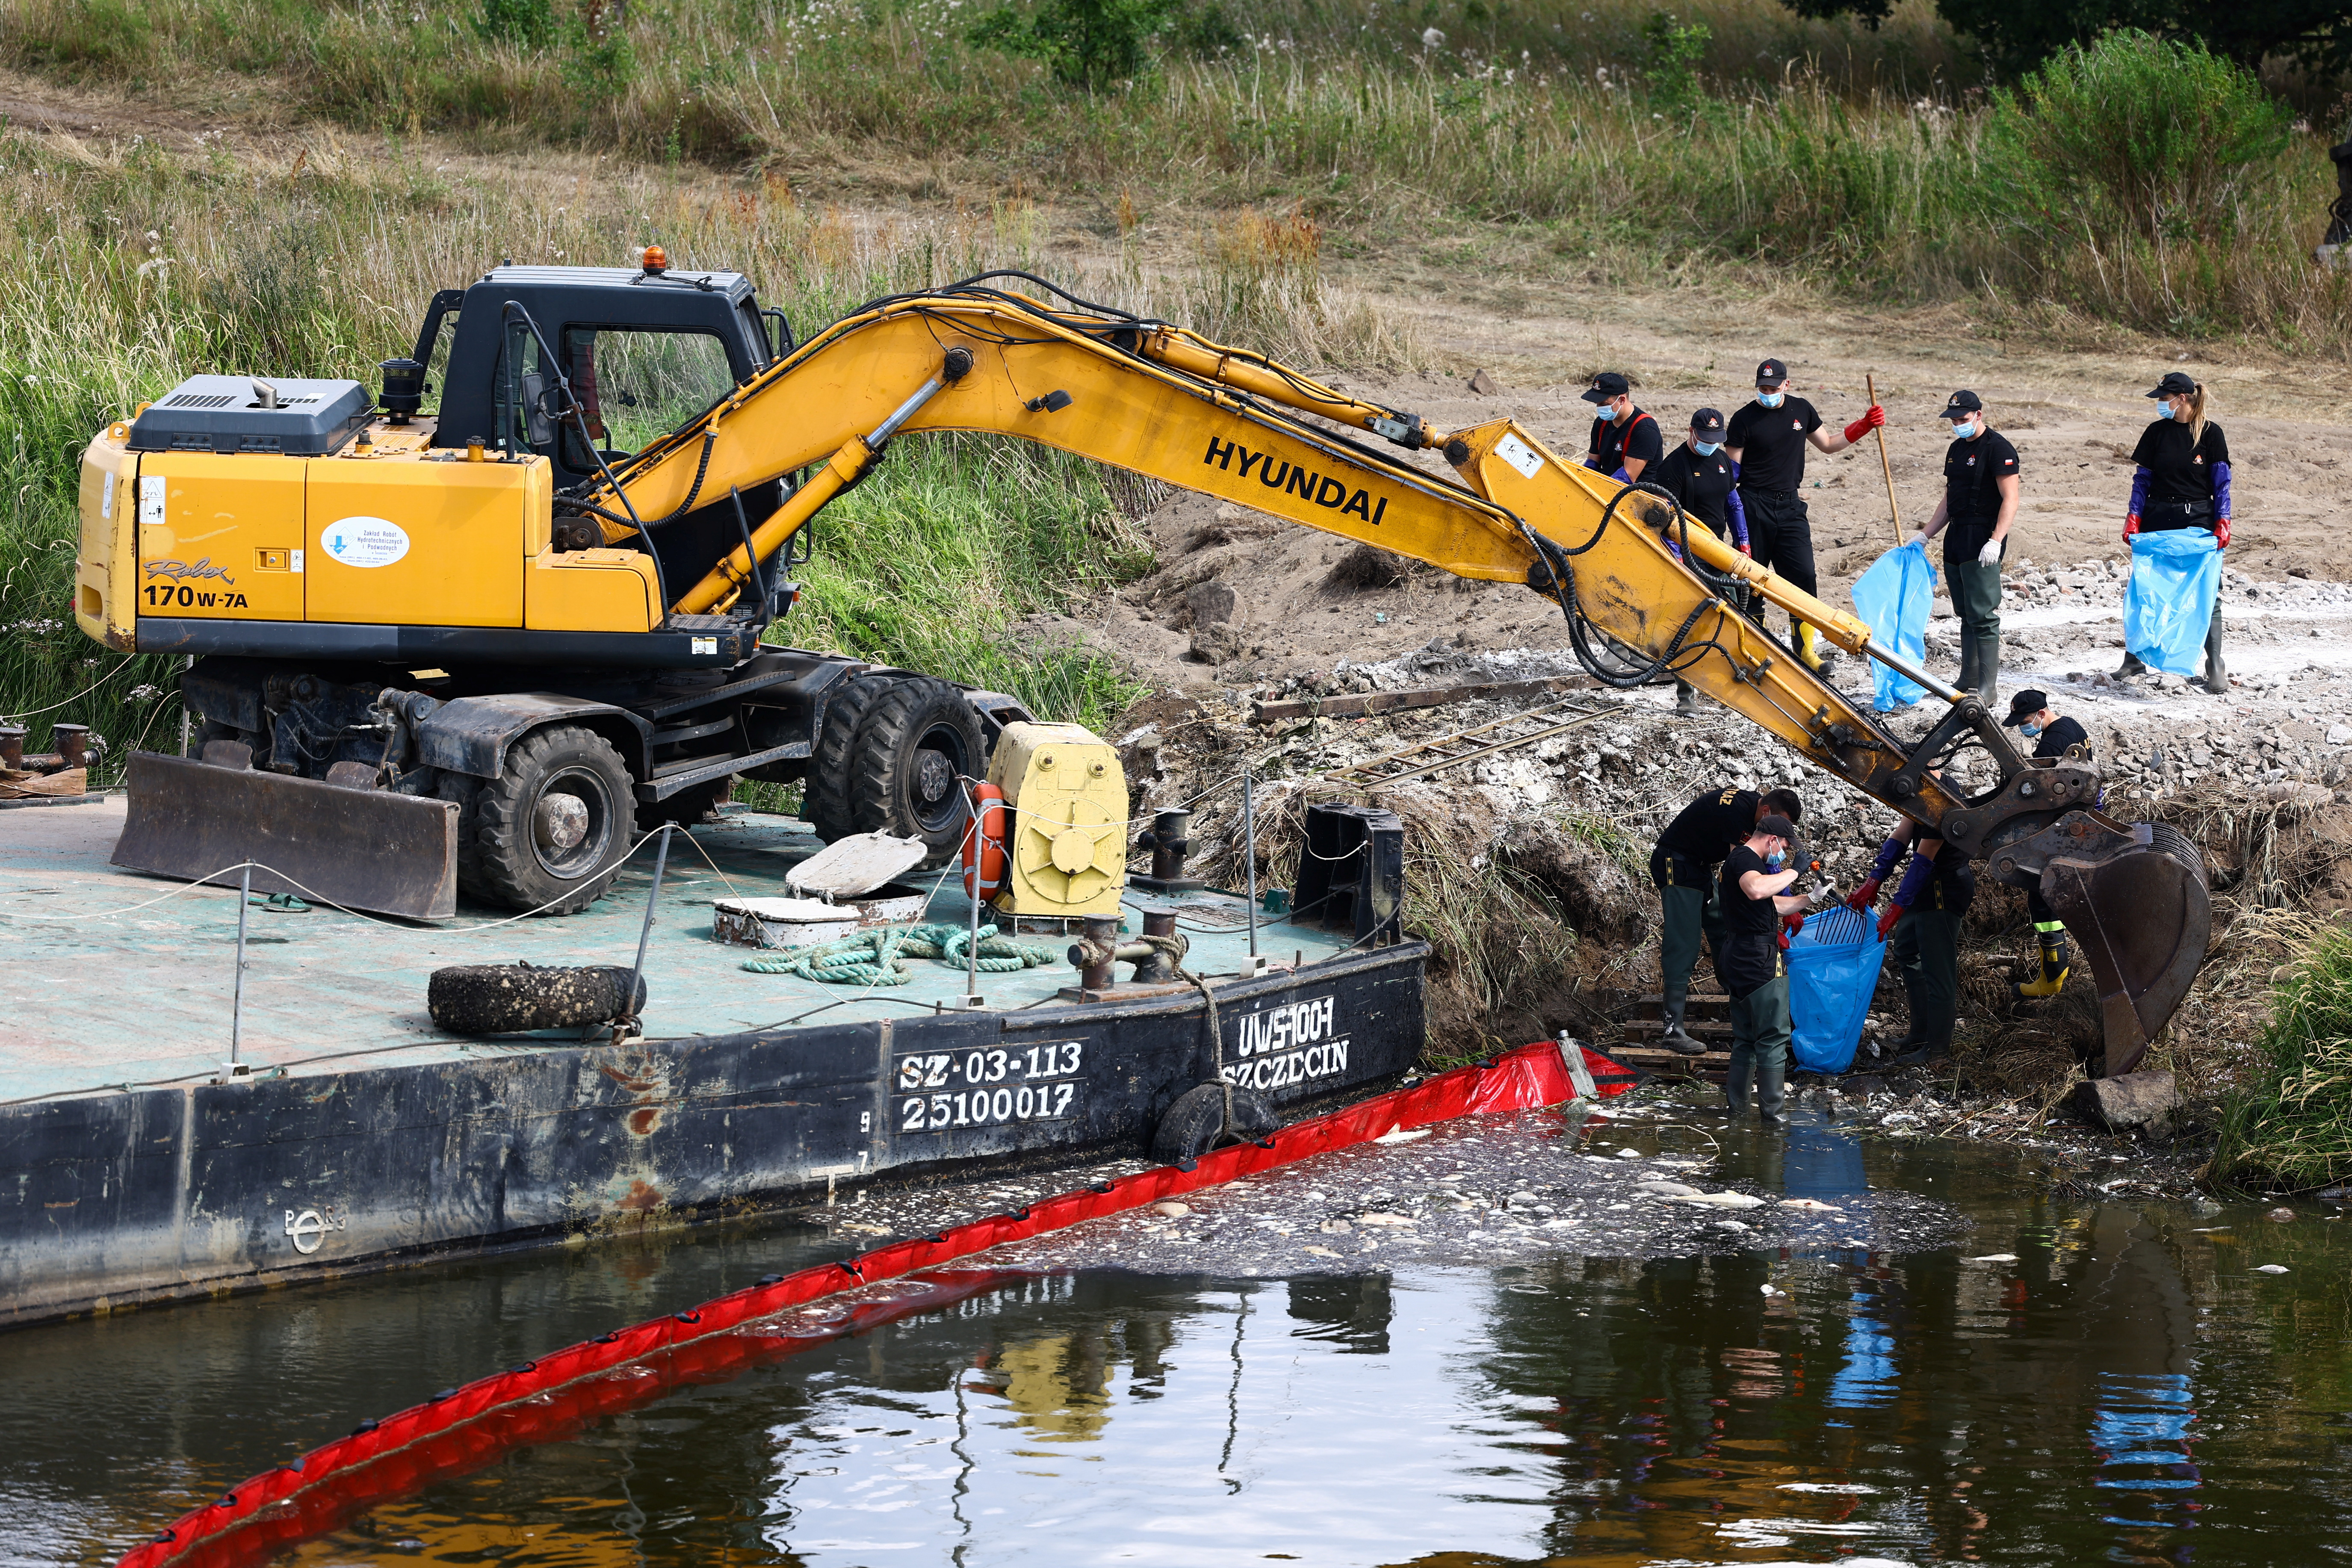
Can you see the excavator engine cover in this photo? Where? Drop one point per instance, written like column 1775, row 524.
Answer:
column 362, row 849
column 1065, row 796
column 2136, row 898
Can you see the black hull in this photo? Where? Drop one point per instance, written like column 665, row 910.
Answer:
column 129, row 1199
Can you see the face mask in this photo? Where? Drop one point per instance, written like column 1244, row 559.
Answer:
column 1965, row 430
column 1770, row 399
column 2029, row 730
column 1775, row 859
column 1706, row 449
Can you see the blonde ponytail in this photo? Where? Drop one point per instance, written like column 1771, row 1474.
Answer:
column 2196, row 415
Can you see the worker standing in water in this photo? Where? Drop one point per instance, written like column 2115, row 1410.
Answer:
column 1979, row 503
column 1683, row 867
column 1757, row 876
column 2054, row 735
column 1768, row 439
column 2182, row 480
column 1625, row 440
column 1704, row 483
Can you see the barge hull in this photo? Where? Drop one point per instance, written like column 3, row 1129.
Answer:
column 116, row 1200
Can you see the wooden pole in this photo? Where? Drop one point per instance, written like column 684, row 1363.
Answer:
column 1870, row 383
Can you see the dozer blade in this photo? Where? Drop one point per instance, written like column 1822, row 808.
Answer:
column 2138, row 904
column 364, row 848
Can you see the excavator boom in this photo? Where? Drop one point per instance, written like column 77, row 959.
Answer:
column 1166, row 403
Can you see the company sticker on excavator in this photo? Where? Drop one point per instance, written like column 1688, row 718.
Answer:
column 365, row 542
column 1520, row 456
column 1327, row 491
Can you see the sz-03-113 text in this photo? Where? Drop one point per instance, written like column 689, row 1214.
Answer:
column 940, row 1091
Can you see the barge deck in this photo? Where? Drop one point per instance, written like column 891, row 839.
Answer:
column 133, row 1168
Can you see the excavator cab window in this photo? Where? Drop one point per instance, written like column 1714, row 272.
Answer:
column 636, row 384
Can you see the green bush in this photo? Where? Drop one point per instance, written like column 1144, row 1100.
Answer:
column 530, row 23
column 2293, row 1127
column 1676, row 49
column 1094, row 44
column 2139, row 134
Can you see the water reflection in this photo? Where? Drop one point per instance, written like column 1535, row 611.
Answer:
column 2124, row 1390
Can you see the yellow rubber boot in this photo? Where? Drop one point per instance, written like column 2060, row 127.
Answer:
column 2052, row 979
column 1808, row 649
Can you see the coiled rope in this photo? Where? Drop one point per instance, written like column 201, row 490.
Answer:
column 879, row 957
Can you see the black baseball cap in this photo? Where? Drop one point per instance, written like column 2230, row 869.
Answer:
column 1609, row 383
column 1706, row 422
column 1777, row 826
column 2174, row 384
column 1771, row 372
column 2024, row 706
column 1963, row 402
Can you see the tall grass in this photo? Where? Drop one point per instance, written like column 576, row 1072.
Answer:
column 1876, row 163
column 2292, row 1127
column 135, row 268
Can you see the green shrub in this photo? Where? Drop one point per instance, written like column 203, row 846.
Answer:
column 1676, row 49
column 1094, row 44
column 2293, row 1127
column 2138, row 134
column 530, row 23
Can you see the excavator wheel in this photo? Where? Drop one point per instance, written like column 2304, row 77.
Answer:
column 550, row 832
column 827, row 798
column 918, row 744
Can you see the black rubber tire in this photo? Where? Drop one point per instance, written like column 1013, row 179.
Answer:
column 916, row 750
column 1193, row 1125
column 826, row 794
column 499, row 859
column 509, row 999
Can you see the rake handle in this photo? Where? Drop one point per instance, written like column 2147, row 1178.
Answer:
column 1870, row 384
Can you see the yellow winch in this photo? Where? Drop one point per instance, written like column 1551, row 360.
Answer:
column 1065, row 796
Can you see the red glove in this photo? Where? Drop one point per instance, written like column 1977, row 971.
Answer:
column 1863, row 897
column 1748, row 550
column 1886, row 920
column 1871, row 420
column 2131, row 523
column 2221, row 533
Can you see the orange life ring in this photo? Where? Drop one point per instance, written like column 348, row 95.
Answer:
column 988, row 827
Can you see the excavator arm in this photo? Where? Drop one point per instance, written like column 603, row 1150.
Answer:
column 1164, row 402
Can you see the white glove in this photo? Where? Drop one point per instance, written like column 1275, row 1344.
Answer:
column 1990, row 554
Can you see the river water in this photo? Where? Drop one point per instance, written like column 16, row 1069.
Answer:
column 2074, row 1380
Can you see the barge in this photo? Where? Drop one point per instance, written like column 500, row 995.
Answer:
column 139, row 1165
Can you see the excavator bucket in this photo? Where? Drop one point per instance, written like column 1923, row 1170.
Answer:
column 2136, row 900
column 362, row 849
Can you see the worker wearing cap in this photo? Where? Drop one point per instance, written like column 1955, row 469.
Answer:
column 2054, row 735
column 1921, row 928
column 1980, row 502
column 1625, row 441
column 2182, row 480
column 1683, row 867
column 1757, row 877
column 1704, row 481
column 1768, row 439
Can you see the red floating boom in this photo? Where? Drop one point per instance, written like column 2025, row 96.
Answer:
column 563, row 1393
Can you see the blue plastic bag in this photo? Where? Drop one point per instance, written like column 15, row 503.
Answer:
column 2169, row 603
column 1834, row 967
column 1894, row 596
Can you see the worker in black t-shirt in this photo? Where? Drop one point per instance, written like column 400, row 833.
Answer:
column 1757, row 877
column 1683, row 868
column 1981, row 491
column 1625, row 441
column 2054, row 735
column 1702, row 478
column 1767, row 440
column 2183, row 481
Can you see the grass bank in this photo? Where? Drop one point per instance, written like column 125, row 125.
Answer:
column 139, row 268
column 2157, row 191
column 2291, row 1127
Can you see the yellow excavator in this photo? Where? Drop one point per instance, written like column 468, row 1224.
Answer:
column 475, row 649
